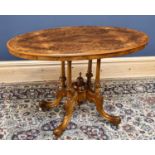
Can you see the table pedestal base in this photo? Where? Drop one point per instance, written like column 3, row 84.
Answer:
column 76, row 92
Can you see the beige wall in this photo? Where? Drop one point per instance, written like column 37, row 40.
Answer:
column 24, row 71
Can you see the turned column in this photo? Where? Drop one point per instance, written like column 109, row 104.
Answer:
column 89, row 74
column 97, row 79
column 63, row 77
column 69, row 77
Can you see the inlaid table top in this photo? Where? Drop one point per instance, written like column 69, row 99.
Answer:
column 77, row 43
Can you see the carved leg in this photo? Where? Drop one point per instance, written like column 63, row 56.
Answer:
column 69, row 106
column 115, row 120
column 98, row 99
column 45, row 105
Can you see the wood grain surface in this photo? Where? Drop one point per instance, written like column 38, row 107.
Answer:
column 77, row 43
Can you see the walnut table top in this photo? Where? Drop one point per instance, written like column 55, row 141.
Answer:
column 77, row 43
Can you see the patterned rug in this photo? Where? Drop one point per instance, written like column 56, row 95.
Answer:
column 133, row 100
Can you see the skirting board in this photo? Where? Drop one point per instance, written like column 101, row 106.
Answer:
column 112, row 68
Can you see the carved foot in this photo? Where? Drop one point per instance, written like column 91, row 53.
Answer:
column 45, row 105
column 69, row 107
column 98, row 100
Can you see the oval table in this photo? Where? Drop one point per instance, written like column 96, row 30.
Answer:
column 77, row 43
